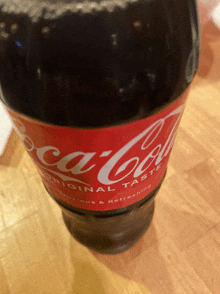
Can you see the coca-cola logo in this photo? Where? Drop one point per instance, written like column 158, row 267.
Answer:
column 151, row 146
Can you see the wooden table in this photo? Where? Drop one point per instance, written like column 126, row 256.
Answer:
column 180, row 253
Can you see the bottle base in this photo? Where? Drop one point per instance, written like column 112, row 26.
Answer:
column 112, row 238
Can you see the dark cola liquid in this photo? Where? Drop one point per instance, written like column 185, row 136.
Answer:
column 98, row 64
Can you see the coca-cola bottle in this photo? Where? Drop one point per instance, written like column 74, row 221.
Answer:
column 96, row 90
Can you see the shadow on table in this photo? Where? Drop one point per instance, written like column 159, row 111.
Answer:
column 86, row 280
column 135, row 266
column 90, row 276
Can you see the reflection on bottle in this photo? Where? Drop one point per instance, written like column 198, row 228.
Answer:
column 128, row 90
column 190, row 66
column 19, row 44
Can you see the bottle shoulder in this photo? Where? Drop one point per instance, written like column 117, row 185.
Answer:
column 100, row 68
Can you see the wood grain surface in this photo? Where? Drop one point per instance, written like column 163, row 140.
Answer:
column 180, row 252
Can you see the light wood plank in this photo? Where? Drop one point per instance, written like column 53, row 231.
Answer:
column 204, row 256
column 4, row 287
column 204, row 178
column 184, row 214
column 164, row 269
column 186, row 152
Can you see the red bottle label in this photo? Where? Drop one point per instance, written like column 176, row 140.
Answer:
column 106, row 168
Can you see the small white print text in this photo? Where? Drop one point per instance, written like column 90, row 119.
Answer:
column 108, row 201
